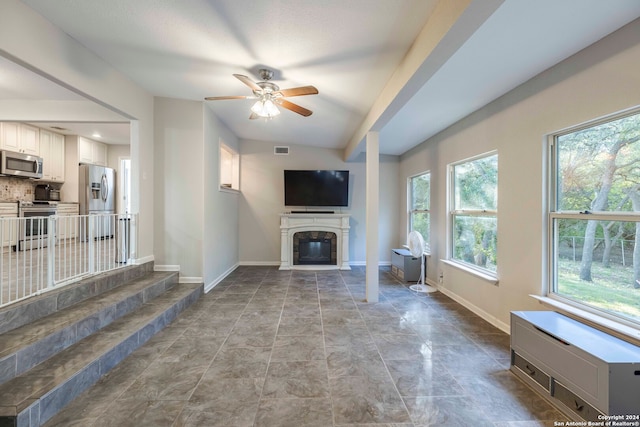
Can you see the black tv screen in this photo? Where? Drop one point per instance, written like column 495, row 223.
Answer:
column 316, row 188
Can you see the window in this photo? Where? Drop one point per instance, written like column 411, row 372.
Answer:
column 229, row 168
column 473, row 217
column 595, row 217
column 419, row 200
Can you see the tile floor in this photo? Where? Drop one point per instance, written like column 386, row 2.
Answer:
column 268, row 348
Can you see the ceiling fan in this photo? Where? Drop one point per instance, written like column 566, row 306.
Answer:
column 268, row 94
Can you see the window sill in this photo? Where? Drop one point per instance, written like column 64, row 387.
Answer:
column 484, row 276
column 623, row 331
column 228, row 190
column 426, row 252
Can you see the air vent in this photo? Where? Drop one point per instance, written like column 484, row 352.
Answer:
column 57, row 128
column 281, row 151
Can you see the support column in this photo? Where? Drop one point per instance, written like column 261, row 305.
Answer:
column 372, row 208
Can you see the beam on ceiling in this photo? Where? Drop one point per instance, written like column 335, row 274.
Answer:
column 451, row 24
column 56, row 111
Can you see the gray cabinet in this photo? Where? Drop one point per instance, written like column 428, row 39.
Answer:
column 405, row 266
column 581, row 370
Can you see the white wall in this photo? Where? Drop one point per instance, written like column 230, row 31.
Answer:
column 25, row 36
column 220, row 254
column 598, row 81
column 179, row 161
column 262, row 199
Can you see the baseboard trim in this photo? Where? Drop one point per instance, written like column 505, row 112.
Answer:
column 190, row 279
column 143, row 260
column 219, row 279
column 477, row 310
column 166, row 268
column 364, row 263
column 257, row 263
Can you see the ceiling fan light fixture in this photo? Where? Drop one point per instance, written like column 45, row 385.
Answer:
column 269, row 96
column 265, row 107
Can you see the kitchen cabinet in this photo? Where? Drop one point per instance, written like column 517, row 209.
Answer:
column 20, row 137
column 100, row 154
column 10, row 136
column 9, row 227
column 92, row 152
column 68, row 221
column 52, row 153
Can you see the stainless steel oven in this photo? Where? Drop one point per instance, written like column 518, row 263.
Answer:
column 34, row 228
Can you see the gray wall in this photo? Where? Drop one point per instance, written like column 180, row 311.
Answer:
column 598, row 81
column 262, row 200
column 178, row 185
column 220, row 251
column 196, row 224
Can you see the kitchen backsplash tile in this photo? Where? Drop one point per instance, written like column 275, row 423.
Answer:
column 16, row 189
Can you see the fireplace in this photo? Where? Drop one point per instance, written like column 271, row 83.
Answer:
column 314, row 241
column 314, row 248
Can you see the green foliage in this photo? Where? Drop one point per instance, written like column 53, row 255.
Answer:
column 420, row 192
column 475, row 241
column 420, row 201
column 583, row 158
column 598, row 170
column 611, row 289
column 476, row 184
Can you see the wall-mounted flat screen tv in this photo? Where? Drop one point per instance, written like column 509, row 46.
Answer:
column 316, row 188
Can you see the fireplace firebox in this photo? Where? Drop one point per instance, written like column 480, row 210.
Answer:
column 314, row 248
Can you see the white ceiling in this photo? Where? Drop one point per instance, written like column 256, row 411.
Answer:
column 347, row 49
column 19, row 85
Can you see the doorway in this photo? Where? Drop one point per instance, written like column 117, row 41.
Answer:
column 125, row 185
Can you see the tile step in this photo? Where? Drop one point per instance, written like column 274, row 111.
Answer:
column 25, row 347
column 32, row 309
column 32, row 398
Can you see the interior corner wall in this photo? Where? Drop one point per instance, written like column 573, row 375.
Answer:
column 220, row 253
column 598, row 81
column 27, row 37
column 179, row 161
column 262, row 199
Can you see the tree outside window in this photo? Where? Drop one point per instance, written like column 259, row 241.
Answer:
column 474, row 201
column 419, row 201
column 595, row 216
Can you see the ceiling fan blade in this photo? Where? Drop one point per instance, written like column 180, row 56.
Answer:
column 294, row 107
column 246, row 80
column 253, row 116
column 298, row 91
column 218, row 98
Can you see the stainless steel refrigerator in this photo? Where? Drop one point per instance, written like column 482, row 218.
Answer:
column 97, row 185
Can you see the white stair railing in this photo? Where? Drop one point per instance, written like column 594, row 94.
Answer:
column 76, row 247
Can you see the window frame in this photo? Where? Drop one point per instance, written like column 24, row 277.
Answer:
column 228, row 168
column 600, row 316
column 411, row 211
column 452, row 213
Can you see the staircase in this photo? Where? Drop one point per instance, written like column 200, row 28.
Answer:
column 56, row 345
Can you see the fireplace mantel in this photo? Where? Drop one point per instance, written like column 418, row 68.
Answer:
column 291, row 223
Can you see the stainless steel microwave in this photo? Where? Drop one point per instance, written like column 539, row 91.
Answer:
column 20, row 165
